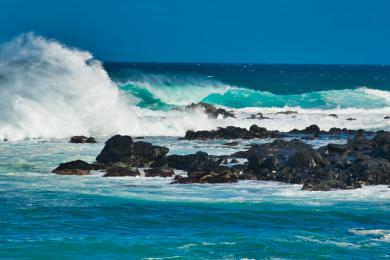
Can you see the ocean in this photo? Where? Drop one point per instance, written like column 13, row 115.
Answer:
column 50, row 92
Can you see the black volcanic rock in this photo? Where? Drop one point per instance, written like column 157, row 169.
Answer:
column 139, row 154
column 117, row 171
column 77, row 167
column 211, row 110
column 217, row 175
column 80, row 139
column 117, row 149
column 232, row 132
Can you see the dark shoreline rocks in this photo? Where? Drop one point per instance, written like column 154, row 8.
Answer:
column 233, row 132
column 80, row 139
column 211, row 110
column 363, row 160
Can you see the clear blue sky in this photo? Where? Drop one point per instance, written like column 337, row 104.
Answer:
column 256, row 31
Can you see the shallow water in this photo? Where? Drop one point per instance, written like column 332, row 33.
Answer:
column 45, row 215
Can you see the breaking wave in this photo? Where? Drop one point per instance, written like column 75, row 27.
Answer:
column 48, row 90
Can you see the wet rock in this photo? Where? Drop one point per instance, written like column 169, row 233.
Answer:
column 285, row 161
column 351, row 119
column 211, row 110
column 117, row 171
column 197, row 161
column 386, row 117
column 139, row 154
column 310, row 130
column 80, row 139
column 232, row 132
column 159, row 172
column 77, row 167
column 258, row 116
column 333, row 115
column 217, row 175
column 116, row 149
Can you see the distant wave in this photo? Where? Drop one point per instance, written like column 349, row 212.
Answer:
column 159, row 96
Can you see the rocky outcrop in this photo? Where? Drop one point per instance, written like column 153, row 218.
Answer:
column 232, row 132
column 77, row 167
column 217, row 175
column 80, row 139
column 134, row 154
column 211, row 110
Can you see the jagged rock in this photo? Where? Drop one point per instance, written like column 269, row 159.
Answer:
column 211, row 110
column 116, row 149
column 232, row 132
column 197, row 161
column 139, row 154
column 77, row 167
column 159, row 172
column 285, row 161
column 80, row 139
column 333, row 115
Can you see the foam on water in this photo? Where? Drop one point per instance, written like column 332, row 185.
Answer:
column 48, row 90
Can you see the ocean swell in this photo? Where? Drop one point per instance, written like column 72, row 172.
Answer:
column 48, row 90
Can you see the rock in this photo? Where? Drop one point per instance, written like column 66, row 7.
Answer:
column 232, row 132
column 139, row 137
column 77, row 167
column 159, row 172
column 121, row 172
column 333, row 115
column 288, row 112
column 116, row 149
column 310, row 130
column 146, row 154
column 218, row 175
column 351, row 119
column 285, row 161
column 139, row 154
column 386, row 117
column 197, row 161
column 258, row 116
column 211, row 110
column 80, row 139
column 231, row 144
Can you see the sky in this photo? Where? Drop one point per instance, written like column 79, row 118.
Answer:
column 234, row 31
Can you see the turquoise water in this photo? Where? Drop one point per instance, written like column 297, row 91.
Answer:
column 44, row 215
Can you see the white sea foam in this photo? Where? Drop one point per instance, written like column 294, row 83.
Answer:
column 377, row 234
column 48, row 90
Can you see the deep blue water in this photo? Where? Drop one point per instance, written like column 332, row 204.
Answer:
column 48, row 216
